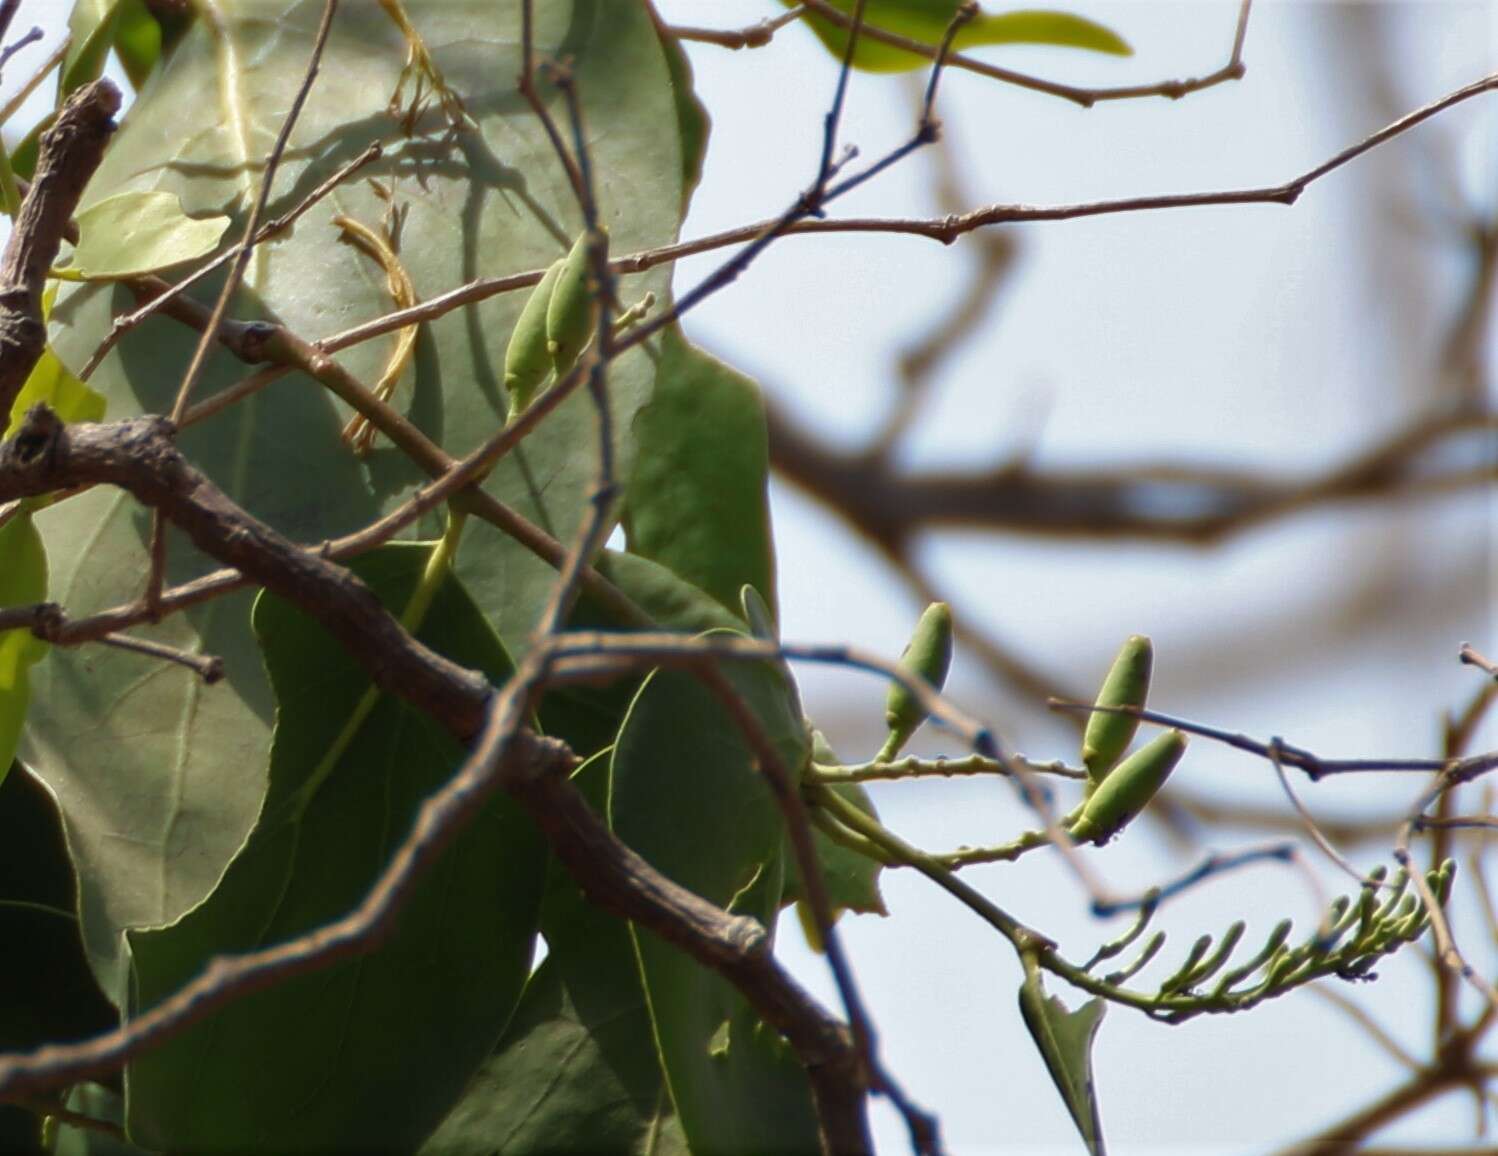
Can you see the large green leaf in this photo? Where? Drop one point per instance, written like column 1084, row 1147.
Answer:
column 927, row 21
column 576, row 1070
column 686, row 795
column 480, row 202
column 137, row 40
column 47, row 992
column 91, row 32
column 368, row 1055
column 1064, row 1040
column 588, row 717
column 697, row 500
column 140, row 232
column 23, row 580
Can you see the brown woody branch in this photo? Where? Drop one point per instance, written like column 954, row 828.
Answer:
column 70, row 152
column 1161, row 502
column 140, row 457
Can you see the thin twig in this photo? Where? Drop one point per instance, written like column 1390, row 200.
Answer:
column 208, row 667
column 945, row 229
column 1311, row 827
column 1086, row 97
column 157, row 551
column 270, row 230
column 1314, row 766
column 597, row 522
column 246, row 246
column 756, row 35
column 922, row 1126
column 1472, row 657
column 1376, row 1031
column 15, row 46
column 13, row 105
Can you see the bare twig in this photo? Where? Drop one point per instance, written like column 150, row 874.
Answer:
column 58, row 54
column 1086, row 97
column 1460, row 770
column 138, row 456
column 1376, row 1031
column 924, row 1132
column 945, row 229
column 252, row 224
column 210, row 668
column 271, row 229
column 158, row 547
column 756, row 35
column 15, row 46
column 1473, row 657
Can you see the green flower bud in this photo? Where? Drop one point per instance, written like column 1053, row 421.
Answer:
column 1108, row 735
column 571, row 312
column 927, row 656
column 1128, row 789
column 527, row 359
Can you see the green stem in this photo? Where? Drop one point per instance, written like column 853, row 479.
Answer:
column 1023, row 939
column 890, row 750
column 1001, row 853
column 42, row 908
column 438, row 567
column 912, row 767
column 875, row 832
column 846, row 838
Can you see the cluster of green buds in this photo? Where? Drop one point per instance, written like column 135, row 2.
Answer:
column 554, row 328
column 1118, row 788
column 1353, row 935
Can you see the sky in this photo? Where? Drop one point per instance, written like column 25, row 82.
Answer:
column 1265, row 337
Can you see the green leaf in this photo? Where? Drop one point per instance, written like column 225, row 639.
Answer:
column 927, row 21
column 697, row 501
column 691, row 113
column 47, row 992
column 23, row 580
column 137, row 40
column 96, row 1103
column 687, row 796
column 588, row 717
column 1065, row 1042
column 486, row 201
column 91, row 32
column 556, row 1083
column 51, row 383
column 10, row 193
column 372, row 1053
column 852, row 879
column 134, row 233
column 576, row 1070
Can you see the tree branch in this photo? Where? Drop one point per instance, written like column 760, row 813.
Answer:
column 70, row 152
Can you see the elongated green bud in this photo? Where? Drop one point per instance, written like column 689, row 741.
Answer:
column 1271, row 947
column 1108, row 735
column 927, row 655
column 571, row 311
column 1128, row 789
column 527, row 360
